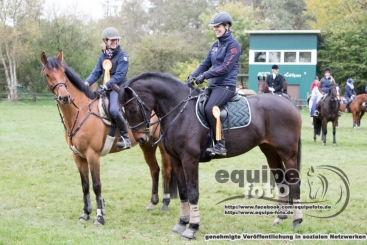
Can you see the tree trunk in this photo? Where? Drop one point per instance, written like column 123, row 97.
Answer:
column 10, row 73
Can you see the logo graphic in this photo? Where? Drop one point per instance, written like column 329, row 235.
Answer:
column 336, row 193
column 325, row 185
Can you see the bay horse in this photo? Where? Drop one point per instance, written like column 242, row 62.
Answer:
column 262, row 87
column 356, row 108
column 329, row 112
column 275, row 127
column 86, row 134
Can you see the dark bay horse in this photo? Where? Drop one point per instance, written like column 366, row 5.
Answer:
column 356, row 108
column 262, row 87
column 329, row 112
column 275, row 127
column 86, row 134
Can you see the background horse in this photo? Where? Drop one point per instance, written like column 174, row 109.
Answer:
column 275, row 128
column 262, row 87
column 86, row 134
column 356, row 108
column 329, row 112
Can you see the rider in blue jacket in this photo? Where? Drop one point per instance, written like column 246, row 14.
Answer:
column 120, row 64
column 223, row 58
column 349, row 93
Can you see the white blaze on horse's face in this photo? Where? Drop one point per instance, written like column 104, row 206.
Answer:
column 337, row 92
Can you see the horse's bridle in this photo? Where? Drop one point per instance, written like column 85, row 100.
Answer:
column 146, row 119
column 74, row 127
column 142, row 106
column 58, row 84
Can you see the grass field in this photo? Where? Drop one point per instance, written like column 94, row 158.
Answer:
column 41, row 196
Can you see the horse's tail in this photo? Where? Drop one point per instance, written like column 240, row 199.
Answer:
column 173, row 185
column 318, row 126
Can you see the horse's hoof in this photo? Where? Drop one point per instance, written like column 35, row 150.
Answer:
column 98, row 220
column 277, row 221
column 84, row 218
column 188, row 234
column 150, row 207
column 297, row 223
column 335, row 144
column 179, row 228
column 165, row 208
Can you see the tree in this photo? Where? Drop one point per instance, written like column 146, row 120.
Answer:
column 19, row 20
column 282, row 14
column 243, row 19
column 344, row 32
column 158, row 52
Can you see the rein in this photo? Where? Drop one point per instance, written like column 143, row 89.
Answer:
column 147, row 122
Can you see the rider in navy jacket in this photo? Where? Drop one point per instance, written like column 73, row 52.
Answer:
column 118, row 71
column 349, row 93
column 120, row 65
column 223, row 58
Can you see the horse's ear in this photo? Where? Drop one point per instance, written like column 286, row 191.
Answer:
column 43, row 58
column 60, row 56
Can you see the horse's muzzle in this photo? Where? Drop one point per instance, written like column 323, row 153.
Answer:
column 142, row 141
column 64, row 99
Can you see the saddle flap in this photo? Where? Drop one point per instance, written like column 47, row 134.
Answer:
column 103, row 105
column 235, row 114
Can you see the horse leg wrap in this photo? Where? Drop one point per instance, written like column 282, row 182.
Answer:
column 194, row 214
column 282, row 201
column 166, row 198
column 184, row 218
column 100, row 205
column 297, row 211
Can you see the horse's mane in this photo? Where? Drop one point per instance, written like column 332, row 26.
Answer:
column 54, row 63
column 157, row 75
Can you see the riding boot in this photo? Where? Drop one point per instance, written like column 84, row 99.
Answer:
column 121, row 125
column 219, row 148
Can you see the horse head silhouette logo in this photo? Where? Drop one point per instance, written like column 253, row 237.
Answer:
column 328, row 185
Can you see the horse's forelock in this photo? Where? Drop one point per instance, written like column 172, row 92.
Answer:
column 53, row 63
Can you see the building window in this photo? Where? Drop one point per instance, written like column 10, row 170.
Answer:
column 274, row 57
column 260, row 57
column 304, row 57
column 290, row 57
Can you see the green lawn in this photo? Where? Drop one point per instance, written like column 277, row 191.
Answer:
column 41, row 196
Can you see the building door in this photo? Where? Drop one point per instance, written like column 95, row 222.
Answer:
column 293, row 91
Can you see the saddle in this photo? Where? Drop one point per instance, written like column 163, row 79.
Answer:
column 235, row 114
column 103, row 104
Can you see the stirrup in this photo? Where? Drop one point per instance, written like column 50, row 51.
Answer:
column 316, row 113
column 124, row 144
column 217, row 150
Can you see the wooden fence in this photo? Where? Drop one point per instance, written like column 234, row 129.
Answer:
column 31, row 97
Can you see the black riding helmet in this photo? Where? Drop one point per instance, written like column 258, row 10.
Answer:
column 221, row 18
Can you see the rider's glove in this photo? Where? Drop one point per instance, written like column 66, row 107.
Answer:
column 200, row 79
column 190, row 81
column 86, row 84
column 271, row 89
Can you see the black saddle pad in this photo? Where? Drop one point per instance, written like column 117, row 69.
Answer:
column 235, row 114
